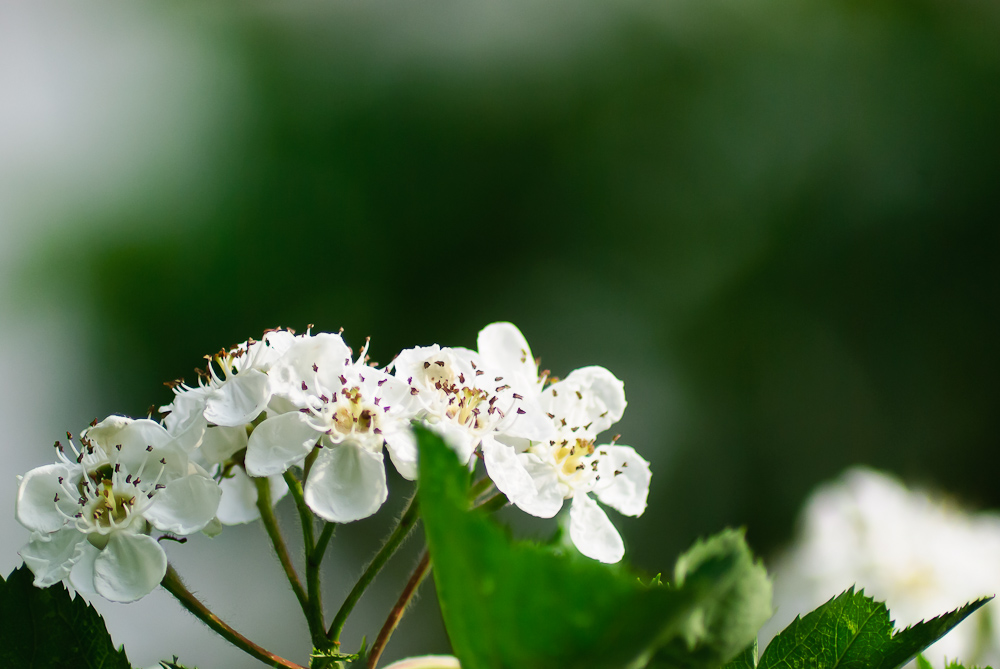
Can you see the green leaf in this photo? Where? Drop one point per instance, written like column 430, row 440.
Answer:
column 722, row 627
column 41, row 628
column 745, row 660
column 922, row 663
column 853, row 631
column 516, row 604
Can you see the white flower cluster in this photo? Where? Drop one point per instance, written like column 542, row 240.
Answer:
column 265, row 406
column 919, row 554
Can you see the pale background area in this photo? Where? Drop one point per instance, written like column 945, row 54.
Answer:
column 97, row 102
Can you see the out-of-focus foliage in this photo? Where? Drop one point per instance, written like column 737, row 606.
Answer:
column 785, row 211
column 719, row 627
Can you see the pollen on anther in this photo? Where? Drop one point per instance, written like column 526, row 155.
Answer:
column 343, row 379
column 118, row 447
column 56, row 498
column 381, row 382
column 414, row 391
column 304, row 386
column 163, row 461
column 426, row 365
column 149, row 449
column 315, row 367
column 60, row 480
column 521, row 411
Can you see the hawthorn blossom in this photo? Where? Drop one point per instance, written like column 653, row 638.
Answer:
column 920, row 554
column 211, row 421
column 538, row 475
column 90, row 514
column 346, row 410
column 469, row 403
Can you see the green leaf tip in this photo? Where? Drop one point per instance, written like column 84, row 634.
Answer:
column 516, row 604
column 853, row 631
column 45, row 627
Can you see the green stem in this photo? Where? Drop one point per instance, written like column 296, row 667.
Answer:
column 172, row 583
column 271, row 525
column 416, row 578
column 495, row 503
column 314, row 611
column 480, row 487
column 406, row 523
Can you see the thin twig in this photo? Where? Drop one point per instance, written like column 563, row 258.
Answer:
column 172, row 583
column 406, row 523
column 416, row 578
column 271, row 525
column 314, row 613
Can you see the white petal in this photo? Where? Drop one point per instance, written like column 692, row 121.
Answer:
column 629, row 487
column 606, row 387
column 591, row 531
column 129, row 567
column 185, row 506
column 346, row 483
column 135, row 440
column 327, row 352
column 187, row 409
column 106, row 432
column 458, row 439
column 534, row 486
column 506, row 471
column 402, row 446
column 51, row 556
column 219, row 443
column 532, row 424
column 239, row 497
column 82, row 576
column 239, row 400
column 503, row 347
column 548, row 499
column 36, row 507
column 278, row 443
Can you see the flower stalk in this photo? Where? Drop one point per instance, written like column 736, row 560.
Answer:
column 406, row 523
column 172, row 583
column 273, row 531
column 392, row 621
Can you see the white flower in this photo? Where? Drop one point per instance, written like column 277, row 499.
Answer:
column 469, row 403
column 537, row 475
column 920, row 555
column 232, row 391
column 349, row 411
column 91, row 514
column 211, row 420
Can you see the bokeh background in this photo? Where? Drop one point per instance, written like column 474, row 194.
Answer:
column 776, row 221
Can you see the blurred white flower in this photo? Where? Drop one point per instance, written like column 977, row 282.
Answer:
column 921, row 555
column 91, row 514
column 538, row 474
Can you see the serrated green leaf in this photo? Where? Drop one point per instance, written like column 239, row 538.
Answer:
column 922, row 663
column 745, row 660
column 852, row 631
column 905, row 645
column 722, row 627
column 515, row 604
column 42, row 628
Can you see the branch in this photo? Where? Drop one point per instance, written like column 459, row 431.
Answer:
column 173, row 584
column 416, row 578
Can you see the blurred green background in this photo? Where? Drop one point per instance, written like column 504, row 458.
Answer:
column 775, row 221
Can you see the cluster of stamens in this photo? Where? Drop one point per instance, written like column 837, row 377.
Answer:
column 107, row 495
